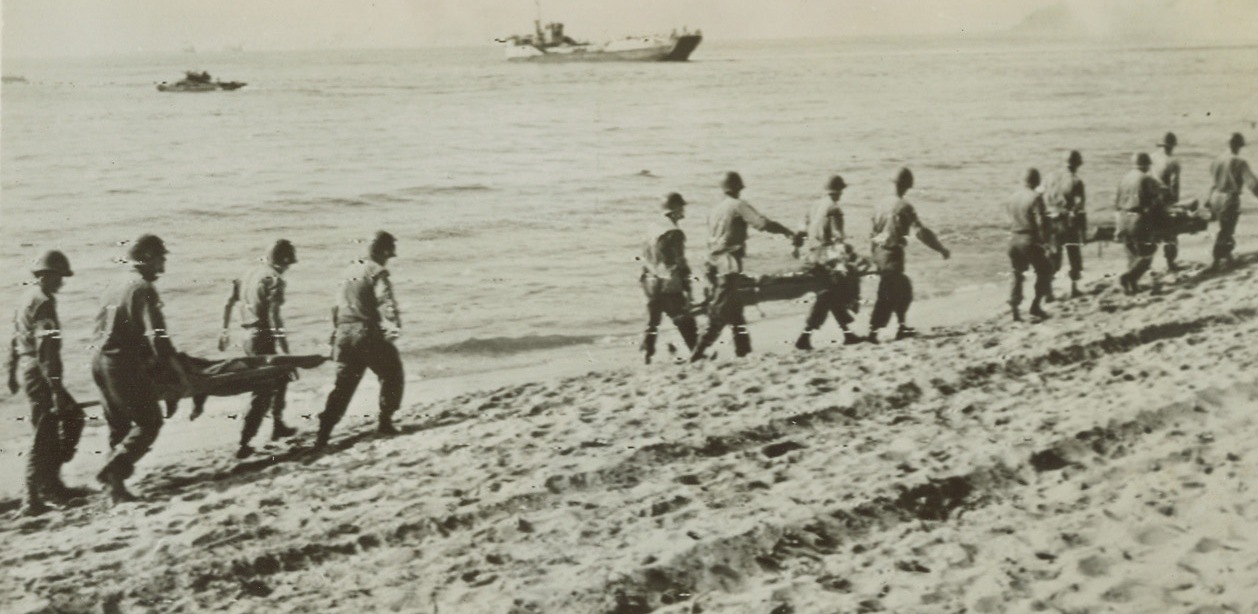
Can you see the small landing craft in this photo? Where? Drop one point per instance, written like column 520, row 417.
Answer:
column 550, row 44
column 198, row 82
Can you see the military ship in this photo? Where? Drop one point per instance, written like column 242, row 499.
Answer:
column 550, row 44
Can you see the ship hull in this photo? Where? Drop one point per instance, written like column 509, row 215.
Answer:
column 676, row 50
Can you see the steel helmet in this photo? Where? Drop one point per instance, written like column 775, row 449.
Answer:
column 384, row 243
column 146, row 248
column 835, row 183
column 55, row 262
column 1032, row 177
column 1169, row 140
column 672, row 202
column 1237, row 140
column 903, row 177
column 1142, row 160
column 282, row 253
column 732, row 181
column 1074, row 158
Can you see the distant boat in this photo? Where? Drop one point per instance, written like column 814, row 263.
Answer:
column 13, row 79
column 552, row 45
column 198, row 82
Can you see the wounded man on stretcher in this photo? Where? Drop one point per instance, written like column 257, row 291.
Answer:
column 230, row 377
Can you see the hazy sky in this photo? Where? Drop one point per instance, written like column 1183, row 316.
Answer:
column 91, row 27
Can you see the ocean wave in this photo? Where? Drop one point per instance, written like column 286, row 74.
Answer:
column 424, row 190
column 513, row 345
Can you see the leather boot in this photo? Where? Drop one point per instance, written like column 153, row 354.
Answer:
column 805, row 341
column 385, row 426
column 1036, row 311
column 323, row 436
column 114, row 486
column 279, row 430
column 742, row 342
column 648, row 344
column 851, row 338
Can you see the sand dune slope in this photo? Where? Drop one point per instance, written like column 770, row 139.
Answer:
column 1097, row 462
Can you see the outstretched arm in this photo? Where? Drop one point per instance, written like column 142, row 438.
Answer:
column 224, row 337
column 927, row 236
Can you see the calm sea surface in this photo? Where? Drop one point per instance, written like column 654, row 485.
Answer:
column 518, row 193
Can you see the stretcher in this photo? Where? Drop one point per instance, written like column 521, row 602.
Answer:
column 230, row 377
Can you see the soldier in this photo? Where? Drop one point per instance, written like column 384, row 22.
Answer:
column 666, row 276
column 727, row 245
column 1028, row 242
column 1137, row 200
column 262, row 291
column 892, row 223
column 1231, row 175
column 36, row 352
column 825, row 248
column 1065, row 201
column 367, row 322
column 1165, row 169
column 133, row 354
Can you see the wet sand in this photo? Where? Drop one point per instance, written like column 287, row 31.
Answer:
column 1099, row 461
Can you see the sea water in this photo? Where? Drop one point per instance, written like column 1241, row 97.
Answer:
column 519, row 193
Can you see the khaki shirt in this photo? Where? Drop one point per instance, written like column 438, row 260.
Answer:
column 727, row 233
column 1025, row 209
column 1166, row 170
column 261, row 289
column 892, row 223
column 37, row 331
column 366, row 296
column 1231, row 176
column 1064, row 194
column 824, row 231
column 1137, row 192
column 664, row 255
column 130, row 323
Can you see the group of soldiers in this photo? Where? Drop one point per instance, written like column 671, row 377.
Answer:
column 135, row 364
column 1048, row 228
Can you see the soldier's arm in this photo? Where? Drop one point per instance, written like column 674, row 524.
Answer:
column 762, row 223
column 1081, row 198
column 385, row 300
column 48, row 351
column 1248, row 179
column 224, row 337
column 274, row 302
column 924, row 234
column 154, row 324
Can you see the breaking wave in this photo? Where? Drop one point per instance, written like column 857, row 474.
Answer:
column 513, row 345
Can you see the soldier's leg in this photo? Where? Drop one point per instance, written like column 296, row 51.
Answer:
column 110, row 405
column 720, row 313
column 1225, row 240
column 42, row 459
column 1043, row 269
column 904, row 299
column 1018, row 262
column 385, row 361
column 654, row 314
column 1170, row 249
column 674, row 306
column 71, row 431
column 822, row 305
column 349, row 371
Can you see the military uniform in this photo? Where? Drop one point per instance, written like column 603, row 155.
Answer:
column 133, row 354
column 666, row 283
column 365, row 307
column 727, row 245
column 1136, row 202
column 58, row 423
column 1027, row 243
column 262, row 292
column 826, row 252
column 1166, row 170
column 1231, row 175
column 892, row 222
column 1065, row 203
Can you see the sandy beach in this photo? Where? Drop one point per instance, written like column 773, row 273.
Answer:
column 1095, row 462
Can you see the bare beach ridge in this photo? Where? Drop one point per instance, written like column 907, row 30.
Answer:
column 1099, row 461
